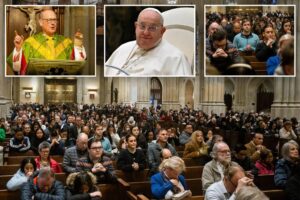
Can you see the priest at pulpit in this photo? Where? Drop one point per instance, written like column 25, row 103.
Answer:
column 47, row 45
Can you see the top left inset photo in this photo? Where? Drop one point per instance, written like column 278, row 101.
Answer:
column 50, row 41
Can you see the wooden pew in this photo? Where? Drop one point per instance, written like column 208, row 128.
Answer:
column 275, row 194
column 9, row 195
column 189, row 162
column 12, row 160
column 5, row 178
column 144, row 188
column 12, row 169
column 259, row 67
column 193, row 172
column 265, row 182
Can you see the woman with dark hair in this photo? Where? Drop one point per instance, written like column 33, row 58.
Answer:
column 140, row 139
column 27, row 167
column 82, row 186
column 37, row 139
column 131, row 158
column 286, row 28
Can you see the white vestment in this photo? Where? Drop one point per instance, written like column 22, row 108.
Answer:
column 162, row 60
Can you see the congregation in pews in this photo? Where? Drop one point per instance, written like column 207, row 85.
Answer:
column 121, row 152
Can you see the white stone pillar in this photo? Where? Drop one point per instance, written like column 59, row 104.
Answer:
column 143, row 92
column 170, row 93
column 213, row 95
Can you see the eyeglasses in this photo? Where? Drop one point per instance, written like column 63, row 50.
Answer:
column 150, row 28
column 96, row 148
column 225, row 151
column 50, row 20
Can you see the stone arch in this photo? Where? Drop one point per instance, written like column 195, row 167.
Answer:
column 229, row 92
column 155, row 90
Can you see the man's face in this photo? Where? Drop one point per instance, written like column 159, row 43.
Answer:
column 163, row 136
column 48, row 22
column 269, row 33
column 96, row 150
column 189, row 129
column 236, row 27
column 99, row 131
column 258, row 139
column 234, row 180
column 45, row 183
column 246, row 27
column 213, row 28
column 81, row 143
column 223, row 154
column 148, row 29
column 220, row 44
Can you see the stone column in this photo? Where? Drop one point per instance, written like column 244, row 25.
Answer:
column 143, row 92
column 170, row 93
column 213, row 99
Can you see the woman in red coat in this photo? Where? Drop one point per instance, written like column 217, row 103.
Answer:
column 44, row 160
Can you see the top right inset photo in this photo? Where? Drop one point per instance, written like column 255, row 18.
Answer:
column 250, row 40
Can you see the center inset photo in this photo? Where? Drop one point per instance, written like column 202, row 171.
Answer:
column 145, row 41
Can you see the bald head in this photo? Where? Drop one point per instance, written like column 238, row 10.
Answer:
column 213, row 27
column 82, row 141
column 165, row 154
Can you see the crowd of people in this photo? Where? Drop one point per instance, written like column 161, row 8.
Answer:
column 91, row 138
column 267, row 36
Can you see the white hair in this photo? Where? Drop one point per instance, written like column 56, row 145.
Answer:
column 156, row 11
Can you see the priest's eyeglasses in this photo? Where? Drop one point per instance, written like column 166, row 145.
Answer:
column 50, row 20
column 150, row 28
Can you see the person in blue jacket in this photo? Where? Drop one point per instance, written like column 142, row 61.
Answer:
column 169, row 181
column 27, row 168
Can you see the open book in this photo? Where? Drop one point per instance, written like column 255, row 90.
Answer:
column 182, row 195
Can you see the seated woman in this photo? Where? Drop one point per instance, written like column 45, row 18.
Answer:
column 82, row 185
column 169, row 181
column 287, row 132
column 56, row 143
column 288, row 165
column 196, row 147
column 140, row 139
column 44, row 160
column 19, row 143
column 265, row 163
column 27, row 167
column 37, row 139
column 267, row 47
column 131, row 159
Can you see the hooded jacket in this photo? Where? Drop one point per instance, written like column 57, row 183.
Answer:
column 72, row 194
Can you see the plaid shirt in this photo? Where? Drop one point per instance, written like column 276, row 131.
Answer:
column 71, row 157
column 86, row 164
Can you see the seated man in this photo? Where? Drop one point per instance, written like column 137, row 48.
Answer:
column 149, row 54
column 246, row 41
column 221, row 52
column 74, row 153
column 43, row 186
column 155, row 151
column 45, row 45
column 97, row 163
column 234, row 179
column 255, row 146
column 213, row 171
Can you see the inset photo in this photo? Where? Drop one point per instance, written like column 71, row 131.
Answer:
column 250, row 40
column 147, row 41
column 50, row 40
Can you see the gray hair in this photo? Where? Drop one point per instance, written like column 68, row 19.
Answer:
column 44, row 145
column 215, row 149
column 46, row 172
column 285, row 150
column 250, row 193
column 174, row 162
column 161, row 18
